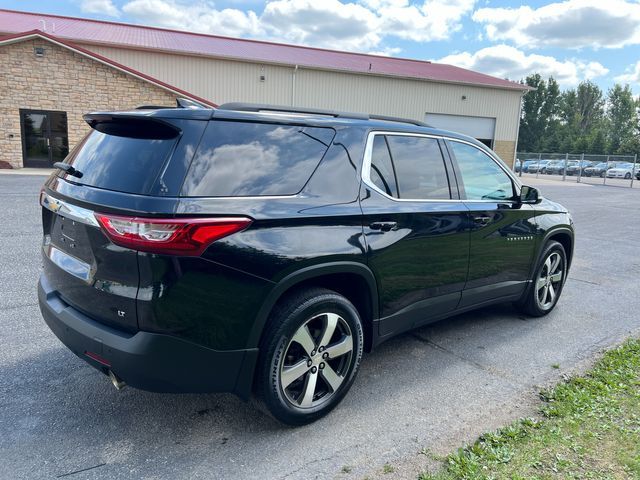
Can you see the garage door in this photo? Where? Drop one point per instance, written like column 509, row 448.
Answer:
column 482, row 128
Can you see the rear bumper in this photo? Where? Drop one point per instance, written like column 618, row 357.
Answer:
column 145, row 360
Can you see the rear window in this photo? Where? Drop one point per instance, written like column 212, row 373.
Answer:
column 251, row 159
column 119, row 163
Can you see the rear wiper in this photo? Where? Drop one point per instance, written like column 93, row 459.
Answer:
column 66, row 168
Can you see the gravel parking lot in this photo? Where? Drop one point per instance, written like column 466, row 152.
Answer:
column 436, row 387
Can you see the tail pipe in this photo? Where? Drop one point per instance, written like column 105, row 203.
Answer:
column 116, row 381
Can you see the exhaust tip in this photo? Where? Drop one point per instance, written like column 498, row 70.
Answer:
column 116, row 381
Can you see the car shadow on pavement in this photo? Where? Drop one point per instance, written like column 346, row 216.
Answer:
column 63, row 386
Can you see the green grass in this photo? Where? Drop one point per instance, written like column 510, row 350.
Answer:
column 589, row 429
column 388, row 468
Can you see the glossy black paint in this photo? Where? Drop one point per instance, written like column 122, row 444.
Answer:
column 434, row 260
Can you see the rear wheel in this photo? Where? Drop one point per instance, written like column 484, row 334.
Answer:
column 627, row 176
column 310, row 356
column 545, row 289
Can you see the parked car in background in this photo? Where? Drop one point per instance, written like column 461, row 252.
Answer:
column 621, row 170
column 598, row 170
column 638, row 171
column 527, row 164
column 539, row 166
column 557, row 167
column 576, row 167
column 517, row 165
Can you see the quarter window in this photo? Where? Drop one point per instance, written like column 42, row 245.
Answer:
column 243, row 159
column 419, row 167
column 482, row 177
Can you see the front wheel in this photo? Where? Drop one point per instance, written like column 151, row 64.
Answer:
column 309, row 356
column 627, row 176
column 544, row 291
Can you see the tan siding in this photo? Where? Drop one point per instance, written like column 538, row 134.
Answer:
column 223, row 81
column 216, row 80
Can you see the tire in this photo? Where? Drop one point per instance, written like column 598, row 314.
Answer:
column 543, row 292
column 603, row 174
column 296, row 336
column 627, row 176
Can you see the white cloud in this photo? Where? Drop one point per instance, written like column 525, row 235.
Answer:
column 327, row 23
column 508, row 62
column 569, row 24
column 386, row 51
column 101, row 7
column 631, row 76
column 199, row 17
column 360, row 25
column 433, row 20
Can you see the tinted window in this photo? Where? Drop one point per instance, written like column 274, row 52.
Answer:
column 381, row 173
column 482, row 177
column 419, row 167
column 120, row 163
column 241, row 159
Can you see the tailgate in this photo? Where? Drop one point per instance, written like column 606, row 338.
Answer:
column 89, row 272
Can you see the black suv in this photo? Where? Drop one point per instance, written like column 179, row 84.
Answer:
column 263, row 249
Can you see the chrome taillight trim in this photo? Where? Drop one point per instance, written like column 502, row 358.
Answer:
column 68, row 210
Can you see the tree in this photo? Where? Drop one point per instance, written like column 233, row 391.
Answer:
column 622, row 114
column 582, row 115
column 539, row 108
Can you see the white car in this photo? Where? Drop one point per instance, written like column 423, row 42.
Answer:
column 621, row 170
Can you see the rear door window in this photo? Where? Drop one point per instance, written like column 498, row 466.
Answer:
column 419, row 166
column 252, row 159
column 382, row 173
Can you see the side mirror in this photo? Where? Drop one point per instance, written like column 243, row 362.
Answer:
column 529, row 195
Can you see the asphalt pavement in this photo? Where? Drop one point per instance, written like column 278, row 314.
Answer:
column 433, row 388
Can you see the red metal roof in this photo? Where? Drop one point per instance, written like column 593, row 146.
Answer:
column 143, row 37
column 83, row 51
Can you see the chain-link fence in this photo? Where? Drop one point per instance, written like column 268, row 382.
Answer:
column 620, row 170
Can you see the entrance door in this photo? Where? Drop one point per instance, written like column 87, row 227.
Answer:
column 44, row 137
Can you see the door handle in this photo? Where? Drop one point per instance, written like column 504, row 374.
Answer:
column 482, row 220
column 383, row 226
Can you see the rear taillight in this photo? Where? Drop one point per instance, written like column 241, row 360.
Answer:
column 172, row 236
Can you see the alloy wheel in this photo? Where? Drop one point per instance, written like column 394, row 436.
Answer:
column 549, row 281
column 316, row 360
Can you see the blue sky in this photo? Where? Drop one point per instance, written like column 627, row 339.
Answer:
column 572, row 40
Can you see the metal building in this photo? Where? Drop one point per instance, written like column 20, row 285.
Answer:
column 222, row 69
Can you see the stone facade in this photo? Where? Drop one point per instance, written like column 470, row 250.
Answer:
column 62, row 80
column 506, row 150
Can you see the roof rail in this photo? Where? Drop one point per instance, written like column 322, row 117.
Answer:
column 256, row 107
column 386, row 118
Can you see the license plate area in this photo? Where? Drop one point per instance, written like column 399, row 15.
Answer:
column 70, row 236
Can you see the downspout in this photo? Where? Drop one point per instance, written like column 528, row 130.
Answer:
column 515, row 148
column 293, row 86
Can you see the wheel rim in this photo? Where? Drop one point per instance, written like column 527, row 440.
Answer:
column 549, row 281
column 316, row 360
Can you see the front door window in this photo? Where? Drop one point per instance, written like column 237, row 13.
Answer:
column 44, row 137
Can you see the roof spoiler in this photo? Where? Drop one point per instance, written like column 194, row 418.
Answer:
column 131, row 126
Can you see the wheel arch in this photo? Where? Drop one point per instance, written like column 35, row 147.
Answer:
column 564, row 236
column 353, row 280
